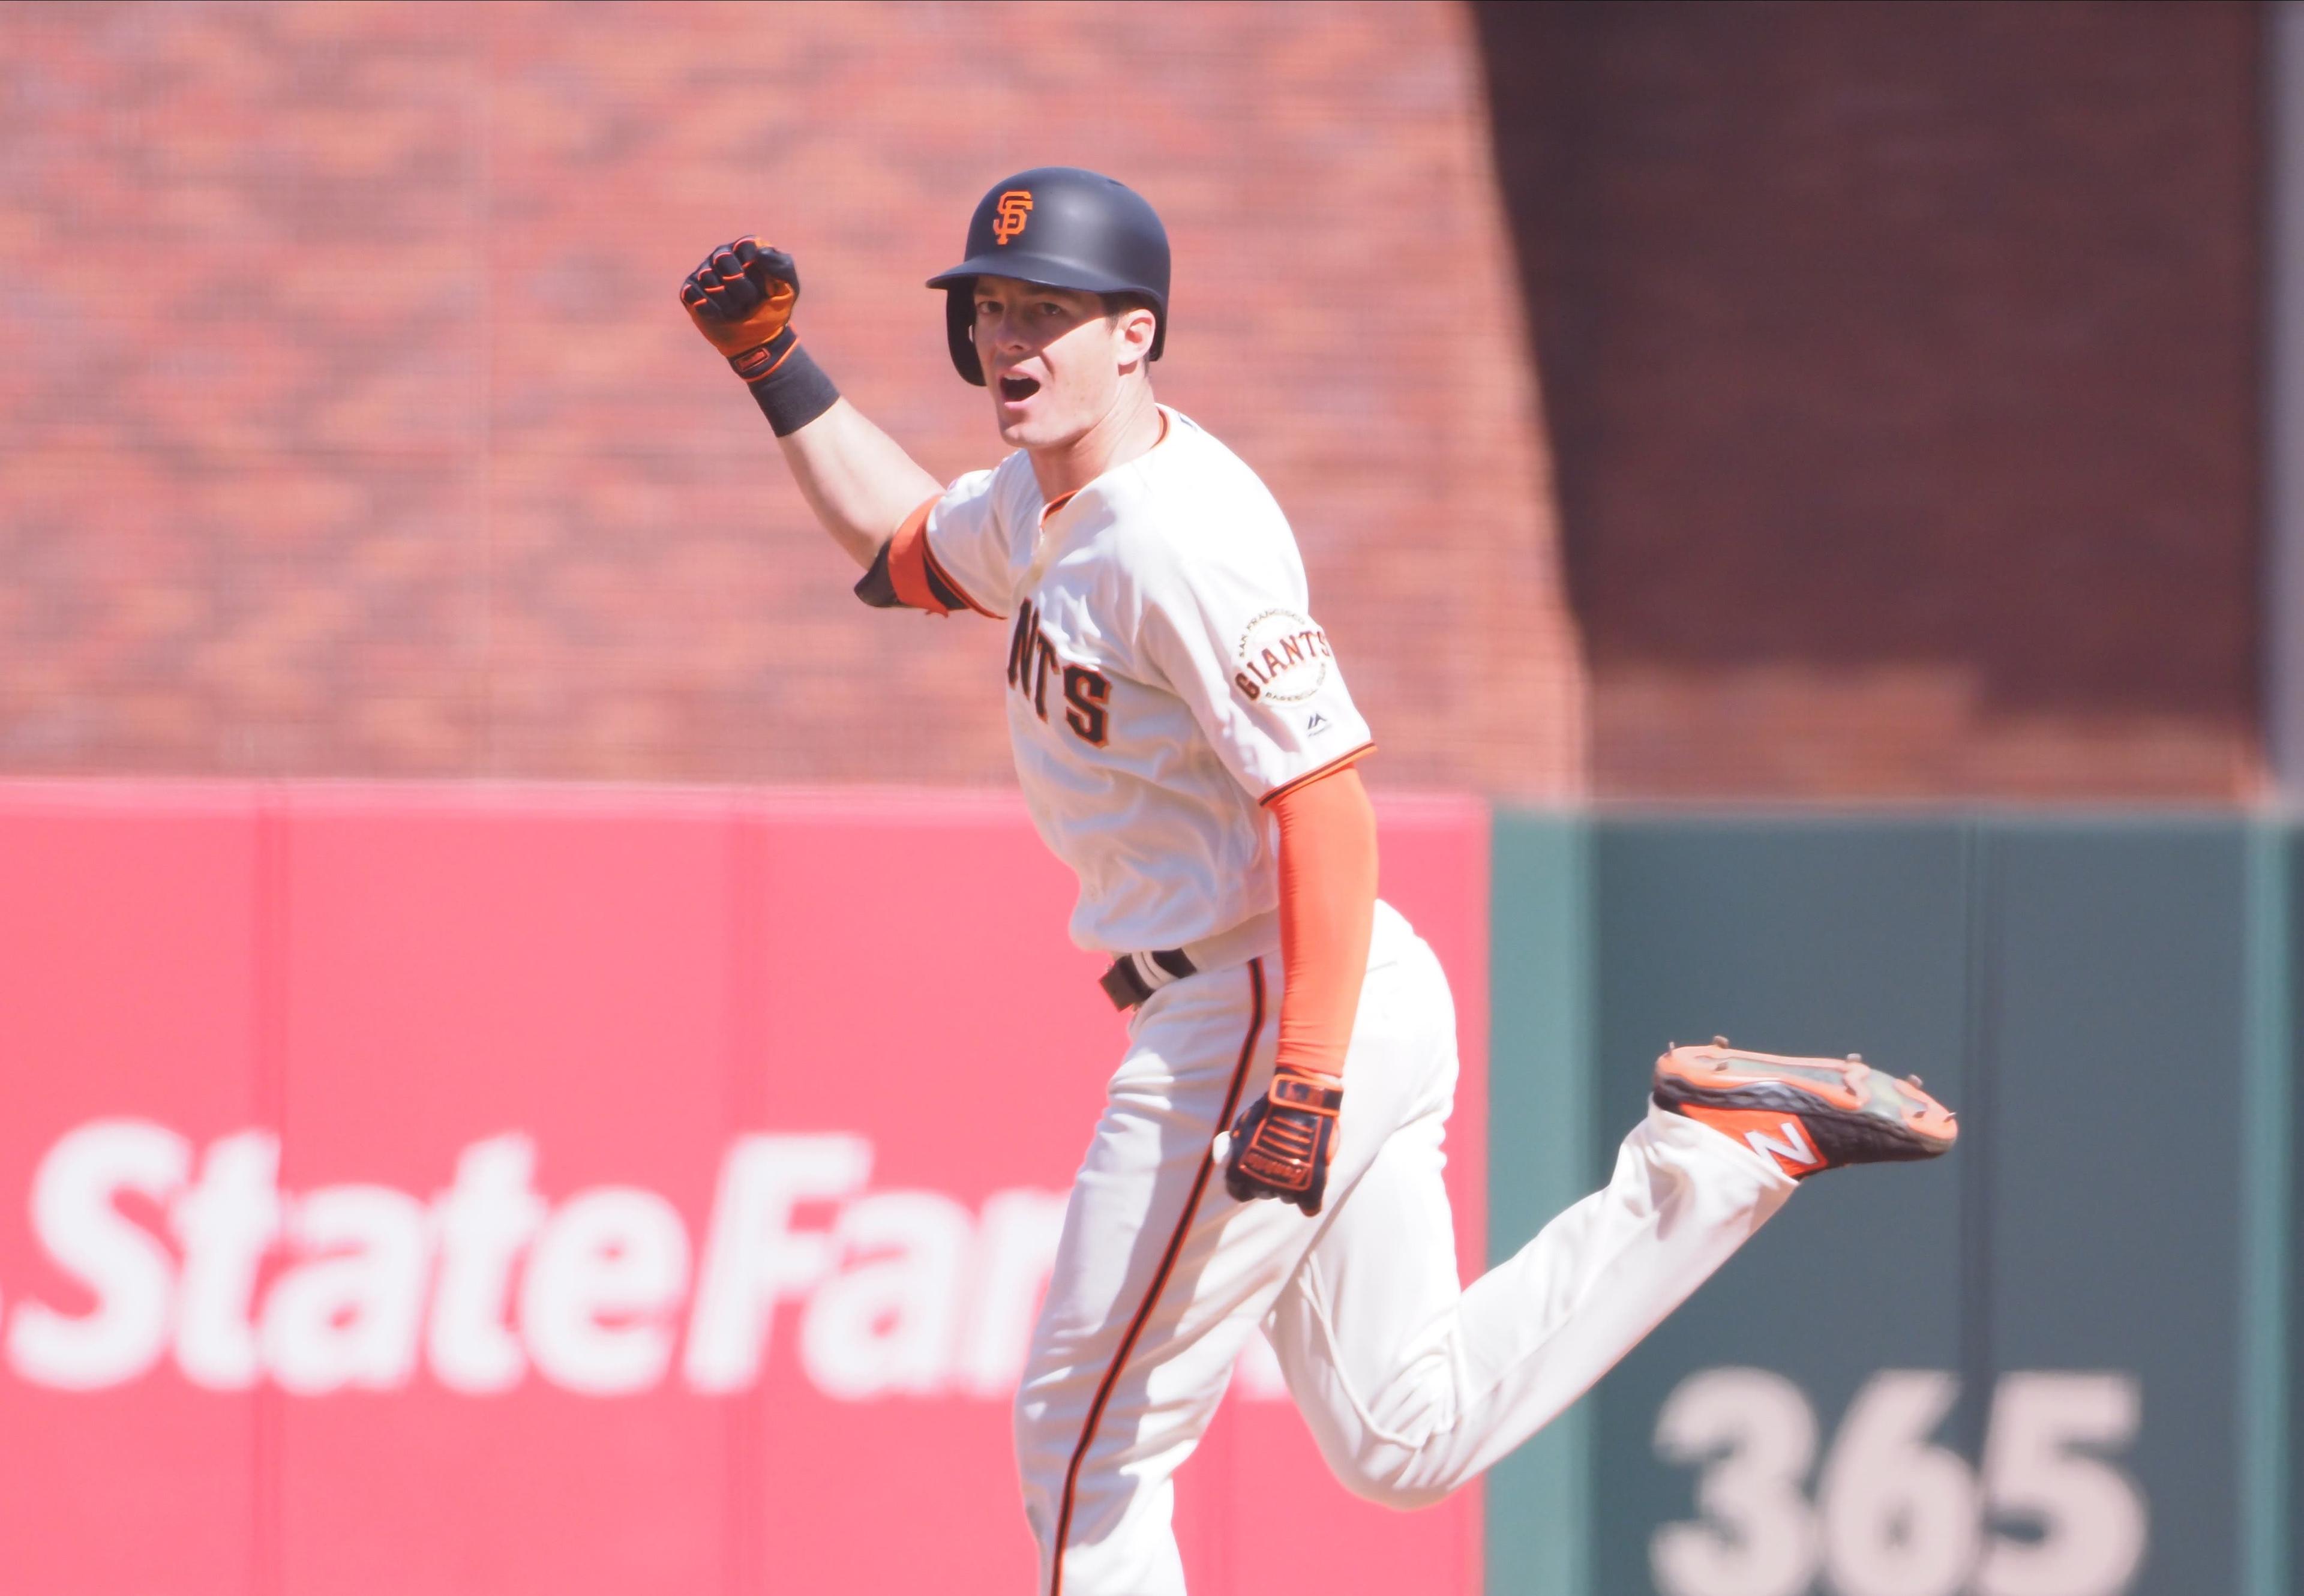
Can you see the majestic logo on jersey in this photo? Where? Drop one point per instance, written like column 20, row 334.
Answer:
column 1008, row 220
column 1088, row 691
column 1284, row 657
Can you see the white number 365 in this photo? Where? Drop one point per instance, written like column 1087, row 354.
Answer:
column 1896, row 1515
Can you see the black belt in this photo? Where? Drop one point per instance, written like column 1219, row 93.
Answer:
column 1131, row 980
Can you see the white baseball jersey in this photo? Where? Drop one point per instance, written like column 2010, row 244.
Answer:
column 1166, row 677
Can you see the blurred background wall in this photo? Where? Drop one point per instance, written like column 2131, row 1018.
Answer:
column 1900, row 362
column 351, row 425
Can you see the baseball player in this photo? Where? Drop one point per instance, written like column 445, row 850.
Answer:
column 1269, row 1151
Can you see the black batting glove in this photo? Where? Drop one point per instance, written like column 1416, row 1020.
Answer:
column 741, row 300
column 1282, row 1145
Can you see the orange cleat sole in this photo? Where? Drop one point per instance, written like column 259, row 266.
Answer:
column 1805, row 1114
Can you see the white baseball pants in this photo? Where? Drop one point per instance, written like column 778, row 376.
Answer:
column 1411, row 1383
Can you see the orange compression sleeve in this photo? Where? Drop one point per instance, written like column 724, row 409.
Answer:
column 1327, row 913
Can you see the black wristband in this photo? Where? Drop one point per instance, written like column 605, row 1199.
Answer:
column 790, row 389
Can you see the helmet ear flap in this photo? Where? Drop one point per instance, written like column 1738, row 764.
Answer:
column 960, row 330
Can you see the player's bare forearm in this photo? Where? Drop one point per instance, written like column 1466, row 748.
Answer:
column 861, row 485
column 857, row 479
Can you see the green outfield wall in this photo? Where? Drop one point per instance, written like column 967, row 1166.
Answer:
column 2060, row 1362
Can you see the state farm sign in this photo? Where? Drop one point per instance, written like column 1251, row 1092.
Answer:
column 480, row 1284
column 410, row 1191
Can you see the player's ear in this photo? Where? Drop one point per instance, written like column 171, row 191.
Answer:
column 1133, row 330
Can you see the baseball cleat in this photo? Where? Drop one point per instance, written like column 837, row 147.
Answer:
column 1809, row 1115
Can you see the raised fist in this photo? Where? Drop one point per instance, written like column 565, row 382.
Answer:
column 742, row 298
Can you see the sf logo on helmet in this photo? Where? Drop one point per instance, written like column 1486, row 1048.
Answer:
column 1008, row 221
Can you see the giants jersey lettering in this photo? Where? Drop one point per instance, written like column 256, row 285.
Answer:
column 1166, row 678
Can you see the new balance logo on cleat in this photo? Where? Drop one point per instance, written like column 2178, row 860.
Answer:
column 1794, row 1155
column 1805, row 1114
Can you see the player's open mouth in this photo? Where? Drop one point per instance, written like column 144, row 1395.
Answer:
column 1017, row 389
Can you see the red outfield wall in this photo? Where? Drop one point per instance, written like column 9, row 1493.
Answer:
column 489, row 1190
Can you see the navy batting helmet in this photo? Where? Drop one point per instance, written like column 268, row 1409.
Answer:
column 1065, row 228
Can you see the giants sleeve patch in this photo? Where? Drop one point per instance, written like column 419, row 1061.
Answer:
column 1283, row 658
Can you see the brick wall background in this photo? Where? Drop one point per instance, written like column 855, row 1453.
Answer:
column 1901, row 360
column 349, row 424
